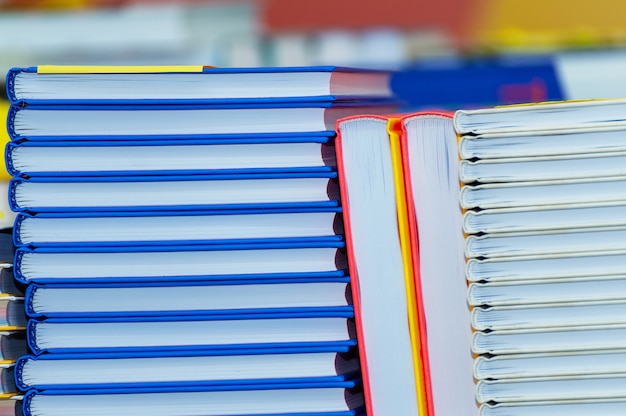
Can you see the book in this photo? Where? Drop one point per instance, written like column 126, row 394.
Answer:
column 11, row 406
column 338, row 399
column 171, row 157
column 292, row 327
column 594, row 288
column 8, row 388
column 177, row 227
column 141, row 193
column 180, row 262
column 13, row 345
column 398, row 289
column 550, row 365
column 193, row 121
column 97, row 84
column 7, row 216
column 544, row 260
column 545, row 218
column 545, row 117
column 542, row 143
column 533, row 243
column 185, row 298
column 12, row 313
column 335, row 362
column 551, row 389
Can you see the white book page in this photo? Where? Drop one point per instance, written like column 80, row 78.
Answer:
column 49, row 299
column 113, row 335
column 550, row 340
column 434, row 177
column 176, row 227
column 538, row 243
column 580, row 141
column 168, row 122
column 555, row 291
column 545, row 116
column 177, row 263
column 218, row 403
column 549, row 316
column 561, row 388
column 550, row 365
column 177, row 369
column 171, row 85
column 547, row 267
column 544, row 193
column 171, row 193
column 171, row 157
column 560, row 217
column 544, row 168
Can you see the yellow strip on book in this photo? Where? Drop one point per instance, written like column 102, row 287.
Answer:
column 393, row 128
column 88, row 69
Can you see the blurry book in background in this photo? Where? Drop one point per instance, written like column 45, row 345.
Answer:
column 453, row 83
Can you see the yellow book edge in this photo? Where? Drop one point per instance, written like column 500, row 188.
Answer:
column 393, row 129
column 104, row 69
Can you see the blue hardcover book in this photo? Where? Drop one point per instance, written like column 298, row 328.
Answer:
column 193, row 84
column 171, row 157
column 334, row 362
column 185, row 298
column 186, row 121
column 343, row 398
column 292, row 327
column 177, row 227
column 181, row 263
column 187, row 192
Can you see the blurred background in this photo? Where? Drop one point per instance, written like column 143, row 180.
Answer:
column 445, row 53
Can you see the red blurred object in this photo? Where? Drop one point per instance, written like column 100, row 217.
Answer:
column 312, row 16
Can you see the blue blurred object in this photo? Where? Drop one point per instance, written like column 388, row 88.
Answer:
column 453, row 83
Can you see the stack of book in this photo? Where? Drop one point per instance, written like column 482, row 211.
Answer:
column 546, row 256
column 181, row 239
column 12, row 326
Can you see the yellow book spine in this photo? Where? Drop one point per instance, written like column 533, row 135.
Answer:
column 393, row 128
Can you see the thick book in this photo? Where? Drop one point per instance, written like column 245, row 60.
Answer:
column 177, row 227
column 292, row 327
column 188, row 192
column 171, row 157
column 191, row 121
column 216, row 262
column 413, row 199
column 590, row 289
column 185, row 298
column 335, row 362
column 543, row 143
column 312, row 399
column 543, row 116
column 560, row 364
column 193, row 84
column 545, row 218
